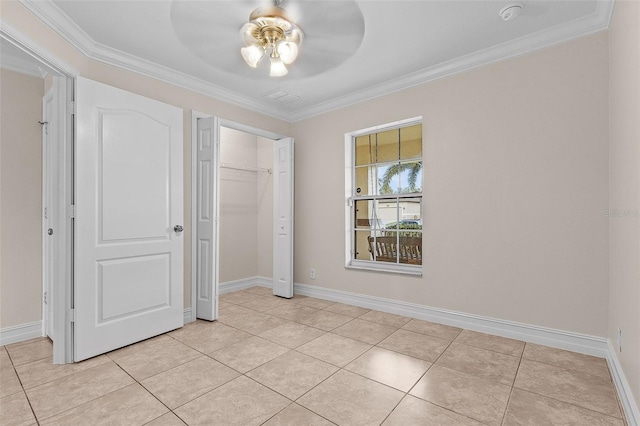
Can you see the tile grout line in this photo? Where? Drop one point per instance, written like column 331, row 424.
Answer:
column 568, row 403
column 89, row 401
column 24, row 391
column 614, row 390
column 569, row 369
column 339, row 368
column 147, row 390
column 250, row 378
column 513, row 383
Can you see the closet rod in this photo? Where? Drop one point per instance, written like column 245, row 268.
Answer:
column 242, row 167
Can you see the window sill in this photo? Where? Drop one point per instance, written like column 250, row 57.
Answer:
column 414, row 270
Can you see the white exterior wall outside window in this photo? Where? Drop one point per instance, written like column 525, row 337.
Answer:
column 384, row 198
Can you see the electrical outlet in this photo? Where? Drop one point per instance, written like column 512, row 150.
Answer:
column 312, row 273
column 619, row 339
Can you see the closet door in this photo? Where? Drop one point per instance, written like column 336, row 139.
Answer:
column 207, row 218
column 283, row 218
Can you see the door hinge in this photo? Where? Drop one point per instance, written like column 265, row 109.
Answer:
column 71, row 211
column 71, row 107
column 45, row 297
column 350, row 202
column 46, row 213
column 71, row 315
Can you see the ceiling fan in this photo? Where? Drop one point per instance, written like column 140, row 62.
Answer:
column 271, row 31
column 217, row 33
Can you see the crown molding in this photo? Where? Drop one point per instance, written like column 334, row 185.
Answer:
column 55, row 18
column 598, row 21
column 138, row 65
column 39, row 53
column 61, row 23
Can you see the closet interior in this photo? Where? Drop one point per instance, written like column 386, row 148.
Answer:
column 246, row 207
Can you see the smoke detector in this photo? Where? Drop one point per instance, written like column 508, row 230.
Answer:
column 511, row 12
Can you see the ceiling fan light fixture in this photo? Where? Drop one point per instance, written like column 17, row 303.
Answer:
column 288, row 51
column 277, row 67
column 252, row 54
column 269, row 29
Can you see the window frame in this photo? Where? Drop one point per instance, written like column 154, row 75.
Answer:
column 350, row 198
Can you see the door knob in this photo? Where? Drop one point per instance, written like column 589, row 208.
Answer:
column 178, row 228
column 50, row 231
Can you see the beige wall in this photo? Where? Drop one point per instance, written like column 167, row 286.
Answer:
column 16, row 15
column 20, row 199
column 515, row 185
column 238, row 207
column 246, row 207
column 624, row 188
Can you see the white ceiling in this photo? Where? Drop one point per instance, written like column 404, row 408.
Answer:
column 353, row 50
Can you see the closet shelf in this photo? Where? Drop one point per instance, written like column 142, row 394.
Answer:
column 246, row 168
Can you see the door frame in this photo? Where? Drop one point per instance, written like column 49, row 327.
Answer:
column 48, row 204
column 220, row 122
column 63, row 91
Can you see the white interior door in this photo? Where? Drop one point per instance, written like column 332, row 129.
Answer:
column 207, row 206
column 129, row 213
column 283, row 218
column 49, row 205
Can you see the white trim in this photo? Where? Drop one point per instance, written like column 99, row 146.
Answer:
column 51, row 15
column 47, row 162
column 241, row 284
column 21, row 66
column 622, row 385
column 249, row 129
column 39, row 53
column 350, row 199
column 187, row 316
column 387, row 268
column 20, row 333
column 60, row 22
column 575, row 342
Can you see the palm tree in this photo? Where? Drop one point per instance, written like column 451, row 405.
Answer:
column 396, row 169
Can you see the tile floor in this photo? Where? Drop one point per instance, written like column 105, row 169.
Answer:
column 271, row 361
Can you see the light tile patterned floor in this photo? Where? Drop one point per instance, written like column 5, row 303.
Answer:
column 271, row 361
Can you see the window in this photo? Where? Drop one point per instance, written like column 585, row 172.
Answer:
column 384, row 197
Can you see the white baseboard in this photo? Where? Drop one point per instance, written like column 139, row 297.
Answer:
column 575, row 342
column 229, row 286
column 629, row 404
column 186, row 316
column 19, row 333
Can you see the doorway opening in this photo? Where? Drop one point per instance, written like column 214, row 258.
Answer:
column 246, row 210
column 51, row 193
column 242, row 178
